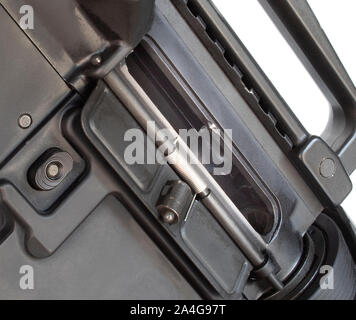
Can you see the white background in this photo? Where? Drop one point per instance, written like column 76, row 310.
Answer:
column 277, row 59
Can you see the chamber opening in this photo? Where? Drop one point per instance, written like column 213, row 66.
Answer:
column 182, row 113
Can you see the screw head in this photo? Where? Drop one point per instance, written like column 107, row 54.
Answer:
column 169, row 217
column 25, row 121
column 53, row 170
column 327, row 168
column 96, row 60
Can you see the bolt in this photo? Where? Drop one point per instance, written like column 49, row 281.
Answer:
column 169, row 217
column 327, row 168
column 53, row 170
column 25, row 121
column 96, row 60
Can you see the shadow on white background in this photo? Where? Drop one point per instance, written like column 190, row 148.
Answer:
column 268, row 47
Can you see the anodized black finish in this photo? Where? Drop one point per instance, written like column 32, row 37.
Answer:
column 108, row 257
column 70, row 33
column 299, row 25
column 235, row 60
column 337, row 257
column 107, row 136
column 99, row 227
column 168, row 54
column 28, row 85
column 239, row 66
column 17, row 171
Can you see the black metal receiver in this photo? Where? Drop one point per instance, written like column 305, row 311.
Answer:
column 266, row 229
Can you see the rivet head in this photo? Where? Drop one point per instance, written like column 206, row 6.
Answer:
column 327, row 168
column 25, row 121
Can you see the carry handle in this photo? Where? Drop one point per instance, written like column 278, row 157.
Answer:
column 298, row 24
